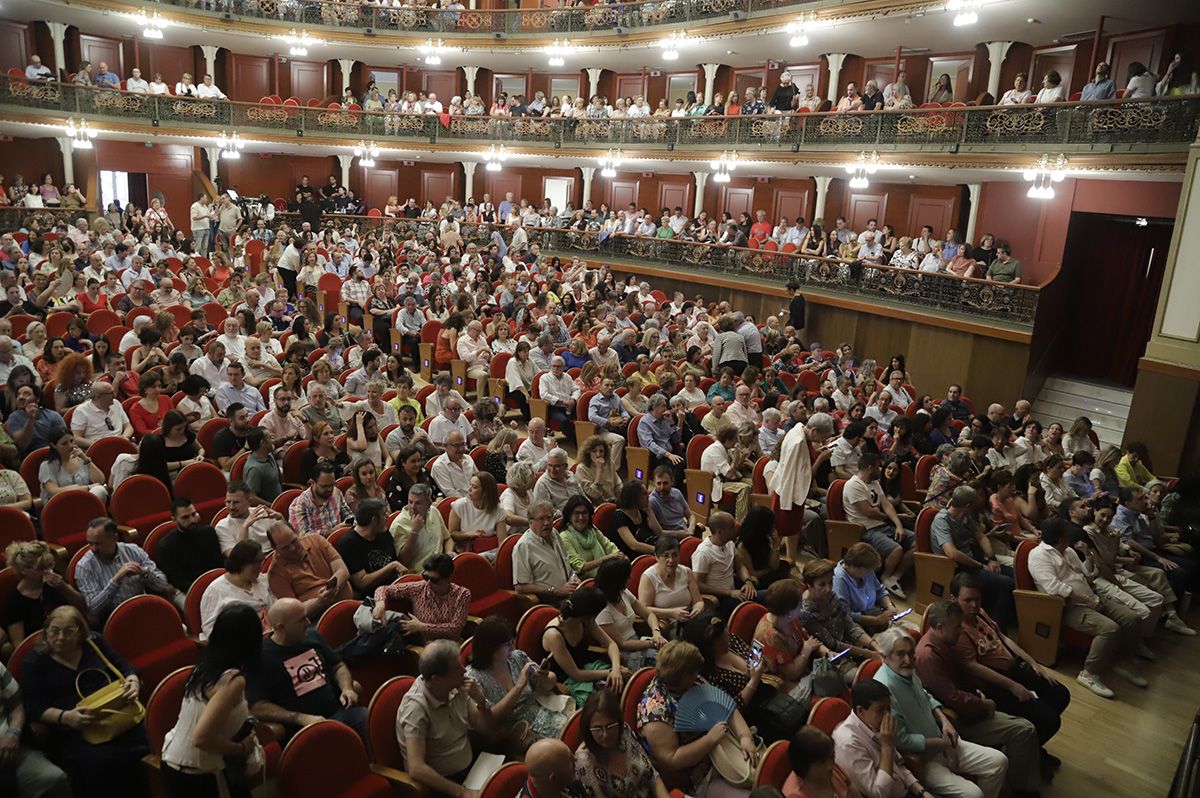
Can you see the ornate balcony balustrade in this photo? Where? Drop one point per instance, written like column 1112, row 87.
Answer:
column 1164, row 124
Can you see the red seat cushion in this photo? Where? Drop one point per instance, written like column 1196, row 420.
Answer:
column 498, row 603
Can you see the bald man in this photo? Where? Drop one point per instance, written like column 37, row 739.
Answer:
column 551, row 771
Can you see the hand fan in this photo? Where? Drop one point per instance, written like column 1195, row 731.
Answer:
column 702, row 707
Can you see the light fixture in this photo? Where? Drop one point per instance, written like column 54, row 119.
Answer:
column 80, row 134
column 610, row 162
column 671, row 45
column 799, row 29
column 231, row 145
column 966, row 12
column 558, row 52
column 152, row 24
column 299, row 42
column 865, row 164
column 432, row 50
column 494, row 158
column 1142, row 221
column 366, row 152
column 1044, row 174
column 723, row 166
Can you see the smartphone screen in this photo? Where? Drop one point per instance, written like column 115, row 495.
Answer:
column 900, row 615
column 756, row 652
column 332, row 583
column 839, row 655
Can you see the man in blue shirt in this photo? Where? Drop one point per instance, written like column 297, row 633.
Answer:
column 106, row 79
column 657, row 432
column 33, row 426
column 670, row 507
column 610, row 417
column 1102, row 86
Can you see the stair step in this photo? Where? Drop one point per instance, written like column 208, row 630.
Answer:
column 1104, row 393
column 1047, row 412
column 1089, row 406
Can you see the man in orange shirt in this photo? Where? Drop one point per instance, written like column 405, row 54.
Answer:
column 307, row 568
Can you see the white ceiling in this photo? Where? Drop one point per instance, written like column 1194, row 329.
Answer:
column 1033, row 21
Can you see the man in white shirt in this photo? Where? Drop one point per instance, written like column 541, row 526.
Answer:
column 870, row 250
column 238, row 390
column 213, row 367
column 201, row 215
column 678, row 221
column 541, row 566
column 872, row 228
column 742, row 411
column 132, row 339
column 135, row 84
column 232, row 339
column 864, row 502
column 717, row 570
column 846, row 450
column 900, row 397
column 723, row 458
column 1115, row 629
column 453, row 469
column 207, row 91
column 473, row 348
column 432, row 105
column 602, row 354
column 538, row 445
column 36, row 70
column 100, row 417
column 881, row 411
column 560, row 393
column 441, row 393
column 640, row 108
column 787, row 233
column 450, row 420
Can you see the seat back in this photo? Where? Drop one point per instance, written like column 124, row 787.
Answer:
column 209, row 431
column 1021, row 566
column 205, row 485
column 156, row 536
column 921, row 476
column 827, row 713
column 15, row 527
column 142, row 502
column 504, row 562
column 695, row 449
column 572, row 732
column 292, row 473
column 602, row 518
column 382, row 745
column 191, row 604
column 638, row 567
column 530, row 629
column 147, row 633
column 925, row 529
column 744, row 619
column 774, row 766
column 324, row 759
column 834, row 500
column 505, row 782
column 632, row 695
column 66, row 516
column 162, row 710
column 867, row 670
column 29, row 469
column 336, row 624
column 476, row 574
column 687, row 547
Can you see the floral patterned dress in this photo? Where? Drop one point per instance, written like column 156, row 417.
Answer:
column 542, row 722
column 659, row 706
column 636, row 780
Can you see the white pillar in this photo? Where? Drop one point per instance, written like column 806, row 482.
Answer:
column 469, row 178
column 973, row 192
column 819, row 205
column 345, row 161
column 64, row 144
column 469, row 73
column 347, row 65
column 593, row 81
column 710, row 81
column 58, row 32
column 996, row 53
column 214, row 160
column 210, row 60
column 698, row 205
column 835, row 75
column 588, row 173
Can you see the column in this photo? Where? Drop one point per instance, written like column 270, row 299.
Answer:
column 345, row 161
column 973, row 191
column 819, row 206
column 58, row 32
column 698, row 204
column 214, row 160
column 996, row 53
column 835, row 75
column 347, row 66
column 210, row 60
column 593, row 81
column 710, row 82
column 588, row 173
column 64, row 144
column 469, row 73
column 469, row 178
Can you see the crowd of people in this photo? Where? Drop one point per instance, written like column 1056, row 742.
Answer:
column 380, row 453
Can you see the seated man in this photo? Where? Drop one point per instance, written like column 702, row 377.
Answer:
column 541, row 565
column 368, row 550
column 958, row 408
column 742, row 411
column 1115, row 629
column 724, row 458
column 321, row 506
column 244, row 520
column 453, row 469
column 1131, row 470
column 846, row 451
column 537, row 445
column 190, row 549
column 301, row 680
column 434, row 719
column 450, row 420
column 307, row 568
column 717, row 416
column 996, row 665
column 949, row 765
column 942, row 673
column 407, row 433
column 112, row 571
column 669, row 506
column 419, row 532
column 558, row 483
column 438, row 606
column 611, row 418
column 230, row 441
column 865, row 502
column 718, row 571
column 658, row 432
column 561, row 395
column 864, row 745
column 1131, row 520
column 958, row 534
column 474, row 350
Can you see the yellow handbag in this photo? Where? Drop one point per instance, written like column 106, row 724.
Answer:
column 116, row 714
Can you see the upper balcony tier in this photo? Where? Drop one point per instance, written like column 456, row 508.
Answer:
column 1166, row 125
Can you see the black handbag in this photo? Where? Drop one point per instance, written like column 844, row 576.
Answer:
column 775, row 714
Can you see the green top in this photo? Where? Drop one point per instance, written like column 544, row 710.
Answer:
column 1004, row 272
column 664, row 232
column 585, row 547
column 913, row 708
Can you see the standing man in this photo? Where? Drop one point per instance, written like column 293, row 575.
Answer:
column 229, row 221
column 202, row 215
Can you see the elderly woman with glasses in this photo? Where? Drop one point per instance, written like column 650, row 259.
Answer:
column 611, row 763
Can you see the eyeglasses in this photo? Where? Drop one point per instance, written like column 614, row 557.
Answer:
column 608, row 727
column 59, row 631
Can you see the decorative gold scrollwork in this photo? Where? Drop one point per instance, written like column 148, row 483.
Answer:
column 196, row 110
column 756, row 263
column 767, row 128
column 923, row 124
column 900, row 284
column 985, row 297
column 592, row 129
column 115, row 102
column 716, row 6
column 469, row 126
column 1016, row 122
column 600, row 16
column 586, row 240
column 1135, row 116
column 34, row 91
column 840, row 125
column 708, row 129
column 534, row 20
column 337, row 119
column 822, row 271
column 472, row 20
column 268, row 116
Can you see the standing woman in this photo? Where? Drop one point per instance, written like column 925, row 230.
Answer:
column 212, row 749
column 381, row 309
column 518, row 377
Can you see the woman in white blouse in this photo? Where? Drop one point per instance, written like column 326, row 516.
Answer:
column 185, row 87
column 503, row 342
column 519, row 374
column 905, row 257
column 1019, row 93
column 1052, row 89
column 691, row 392
column 1031, row 443
column 157, row 86
column 933, row 262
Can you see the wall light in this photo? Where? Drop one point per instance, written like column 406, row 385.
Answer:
column 1044, row 174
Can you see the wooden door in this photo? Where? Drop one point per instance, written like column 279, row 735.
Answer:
column 172, row 62
column 1059, row 59
column 14, row 47
column 790, row 203
column 962, row 82
column 444, row 84
column 861, row 207
column 747, row 79
column 882, row 72
column 803, row 76
column 559, row 190
column 628, row 85
column 937, row 213
column 250, row 79
column 621, row 193
column 676, row 195
column 309, row 80
column 737, row 201
column 378, row 185
column 100, row 48
column 498, row 184
column 1144, row 47
column 436, row 186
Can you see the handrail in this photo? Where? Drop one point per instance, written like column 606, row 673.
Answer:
column 1169, row 123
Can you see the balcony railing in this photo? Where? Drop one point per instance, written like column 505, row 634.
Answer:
column 926, row 291
column 1112, row 126
column 410, row 17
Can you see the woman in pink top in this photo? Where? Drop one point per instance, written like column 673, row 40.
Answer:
column 814, row 772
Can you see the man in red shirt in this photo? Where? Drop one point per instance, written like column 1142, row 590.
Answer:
column 761, row 229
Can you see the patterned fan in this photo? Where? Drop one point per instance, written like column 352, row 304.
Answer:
column 702, row 707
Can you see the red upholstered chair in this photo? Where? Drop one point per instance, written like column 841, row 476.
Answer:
column 698, row 487
column 632, row 695
column 205, row 485
column 429, row 334
column 921, row 476
column 827, row 713
column 98, row 321
column 774, row 767
column 867, row 670
column 328, row 759
column 150, row 544
column 572, row 733
column 687, row 547
column 505, row 782
column 530, row 629
column 292, row 474
column 162, row 710
column 284, row 500
column 382, row 747
column 147, row 632
column 933, row 571
column 191, row 604
column 209, row 431
column 15, row 526
column 584, row 429
column 74, row 563
column 477, row 575
column 66, row 516
column 29, row 469
column 840, row 533
column 21, row 653
column 637, row 457
column 142, row 503
column 602, row 518
column 638, row 567
column 336, row 624
column 744, row 619
column 495, row 381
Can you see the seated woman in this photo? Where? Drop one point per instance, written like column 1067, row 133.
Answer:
column 410, row 470
column 322, row 448
column 634, row 527
column 511, row 683
column 362, row 439
column 74, row 378
column 683, row 757
column 179, row 442
column 623, row 610
column 611, row 763
column 366, row 483
column 149, row 353
column 488, row 423
column 477, row 521
column 67, row 467
column 501, row 453
column 14, row 491
column 147, row 413
column 48, row 680
column 39, row 590
column 587, row 548
column 596, row 473
column 1010, row 520
column 758, row 549
column 856, row 584
column 668, row 588
column 787, row 651
column 568, row 637
column 195, row 405
column 815, row 774
column 825, row 618
column 242, row 583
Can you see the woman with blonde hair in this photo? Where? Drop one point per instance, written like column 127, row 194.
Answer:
column 35, row 344
column 633, row 401
column 589, row 377
column 501, row 454
column 322, row 374
column 597, row 474
column 39, row 590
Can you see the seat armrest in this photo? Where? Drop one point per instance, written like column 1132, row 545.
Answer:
column 403, row 783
